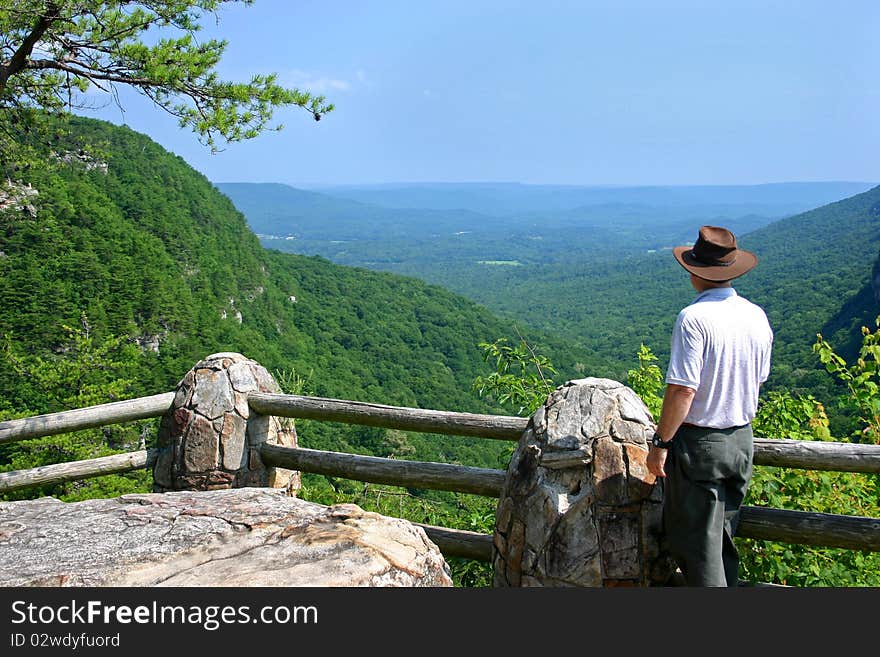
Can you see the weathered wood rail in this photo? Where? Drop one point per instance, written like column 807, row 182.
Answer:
column 500, row 427
column 810, row 455
column 851, row 532
column 819, row 529
column 395, row 472
column 78, row 419
column 74, row 470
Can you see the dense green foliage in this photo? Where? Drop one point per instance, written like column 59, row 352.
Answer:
column 89, row 372
column 862, row 380
column 646, row 380
column 783, row 415
column 522, row 379
column 602, row 275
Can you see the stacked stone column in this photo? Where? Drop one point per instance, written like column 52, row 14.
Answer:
column 579, row 507
column 210, row 439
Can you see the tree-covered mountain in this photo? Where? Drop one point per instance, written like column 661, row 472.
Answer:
column 125, row 239
column 815, row 276
column 602, row 275
column 462, row 227
column 284, row 211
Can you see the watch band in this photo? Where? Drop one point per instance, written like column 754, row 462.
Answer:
column 657, row 441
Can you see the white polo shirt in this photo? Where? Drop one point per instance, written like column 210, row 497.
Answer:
column 721, row 346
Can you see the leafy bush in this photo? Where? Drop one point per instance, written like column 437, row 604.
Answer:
column 862, row 380
column 86, row 371
column 647, row 381
column 520, row 378
column 785, row 416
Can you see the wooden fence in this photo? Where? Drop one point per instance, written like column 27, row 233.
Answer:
column 818, row 529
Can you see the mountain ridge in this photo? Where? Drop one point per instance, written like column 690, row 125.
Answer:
column 568, row 270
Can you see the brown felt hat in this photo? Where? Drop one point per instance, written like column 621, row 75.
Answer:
column 715, row 256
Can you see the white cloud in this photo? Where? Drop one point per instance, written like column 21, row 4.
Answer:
column 314, row 83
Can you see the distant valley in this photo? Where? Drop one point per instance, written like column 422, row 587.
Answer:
column 594, row 265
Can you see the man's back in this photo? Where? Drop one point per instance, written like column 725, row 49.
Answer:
column 721, row 347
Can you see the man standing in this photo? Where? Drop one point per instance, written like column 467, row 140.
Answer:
column 720, row 355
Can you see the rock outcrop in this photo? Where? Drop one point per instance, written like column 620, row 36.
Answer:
column 579, row 507
column 236, row 537
column 18, row 197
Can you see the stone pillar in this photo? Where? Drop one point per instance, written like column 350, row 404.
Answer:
column 579, row 507
column 210, row 439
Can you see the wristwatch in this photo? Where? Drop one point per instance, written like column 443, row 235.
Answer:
column 657, row 441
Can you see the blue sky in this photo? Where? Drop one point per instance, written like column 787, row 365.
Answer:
column 587, row 93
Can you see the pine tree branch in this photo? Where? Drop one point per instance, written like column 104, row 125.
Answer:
column 20, row 57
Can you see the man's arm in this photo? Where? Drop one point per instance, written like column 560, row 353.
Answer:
column 677, row 402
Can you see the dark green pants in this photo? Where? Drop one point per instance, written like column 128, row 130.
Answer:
column 707, row 475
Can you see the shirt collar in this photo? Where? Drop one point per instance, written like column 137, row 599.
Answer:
column 716, row 294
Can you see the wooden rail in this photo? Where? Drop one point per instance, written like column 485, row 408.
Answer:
column 394, row 472
column 85, row 418
column 807, row 528
column 810, row 455
column 761, row 523
column 500, row 427
column 460, row 542
column 817, row 455
column 73, row 470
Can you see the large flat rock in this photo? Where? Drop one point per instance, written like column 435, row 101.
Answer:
column 234, row 537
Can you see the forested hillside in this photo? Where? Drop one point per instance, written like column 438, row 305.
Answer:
column 125, row 240
column 593, row 268
column 815, row 275
column 556, row 269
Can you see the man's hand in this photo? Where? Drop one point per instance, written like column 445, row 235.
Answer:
column 677, row 402
column 657, row 461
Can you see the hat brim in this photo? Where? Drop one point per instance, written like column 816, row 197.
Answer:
column 745, row 262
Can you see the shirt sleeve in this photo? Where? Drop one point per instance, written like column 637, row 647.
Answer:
column 765, row 365
column 686, row 354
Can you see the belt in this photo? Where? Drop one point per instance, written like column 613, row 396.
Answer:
column 699, row 426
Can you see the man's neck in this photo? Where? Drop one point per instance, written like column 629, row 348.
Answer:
column 701, row 285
